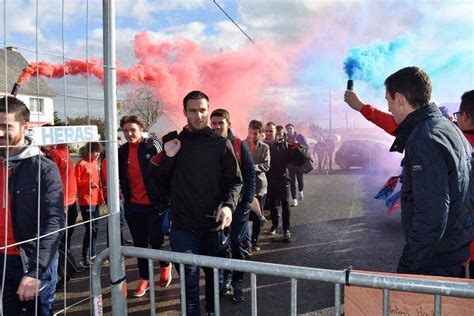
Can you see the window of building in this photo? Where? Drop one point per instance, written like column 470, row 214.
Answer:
column 36, row 105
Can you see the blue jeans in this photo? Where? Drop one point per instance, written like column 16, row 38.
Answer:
column 89, row 242
column 207, row 243
column 456, row 271
column 239, row 230
column 14, row 274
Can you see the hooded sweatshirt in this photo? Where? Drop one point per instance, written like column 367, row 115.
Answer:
column 36, row 205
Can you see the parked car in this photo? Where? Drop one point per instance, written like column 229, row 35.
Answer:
column 366, row 154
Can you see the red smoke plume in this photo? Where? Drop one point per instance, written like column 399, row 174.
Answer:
column 234, row 80
column 72, row 67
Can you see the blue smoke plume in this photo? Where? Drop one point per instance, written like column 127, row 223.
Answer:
column 366, row 62
column 373, row 63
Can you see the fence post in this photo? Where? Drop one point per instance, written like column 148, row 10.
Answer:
column 337, row 299
column 151, row 274
column 253, row 287
column 182, row 283
column 117, row 269
column 217, row 303
column 386, row 302
column 437, row 305
column 293, row 297
column 97, row 303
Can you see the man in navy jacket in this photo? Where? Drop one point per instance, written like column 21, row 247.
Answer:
column 435, row 199
column 220, row 123
column 32, row 207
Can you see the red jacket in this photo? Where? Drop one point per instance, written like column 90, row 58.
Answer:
column 60, row 156
column 103, row 177
column 470, row 138
column 89, row 191
column 383, row 120
column 3, row 199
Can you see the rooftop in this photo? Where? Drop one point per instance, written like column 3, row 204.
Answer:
column 16, row 63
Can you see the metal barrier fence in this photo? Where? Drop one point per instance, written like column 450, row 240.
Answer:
column 295, row 273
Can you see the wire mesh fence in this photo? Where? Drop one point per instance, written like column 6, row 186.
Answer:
column 67, row 223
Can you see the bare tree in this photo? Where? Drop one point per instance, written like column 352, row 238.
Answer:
column 143, row 103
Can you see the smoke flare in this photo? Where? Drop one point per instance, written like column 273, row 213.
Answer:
column 15, row 88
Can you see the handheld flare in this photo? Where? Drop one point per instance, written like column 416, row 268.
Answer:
column 350, row 84
column 14, row 92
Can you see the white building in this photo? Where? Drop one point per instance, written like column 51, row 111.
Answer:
column 37, row 96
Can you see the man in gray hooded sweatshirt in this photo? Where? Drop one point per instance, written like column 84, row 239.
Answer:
column 32, row 206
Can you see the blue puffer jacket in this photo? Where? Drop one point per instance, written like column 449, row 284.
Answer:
column 31, row 174
column 435, row 199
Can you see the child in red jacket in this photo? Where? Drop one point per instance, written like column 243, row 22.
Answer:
column 90, row 198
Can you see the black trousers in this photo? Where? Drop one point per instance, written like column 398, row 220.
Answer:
column 145, row 224
column 71, row 220
column 296, row 174
column 89, row 242
column 256, row 221
column 279, row 193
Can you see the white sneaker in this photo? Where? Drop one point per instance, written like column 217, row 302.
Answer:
column 300, row 196
column 294, row 202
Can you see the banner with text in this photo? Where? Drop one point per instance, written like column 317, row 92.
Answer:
column 51, row 135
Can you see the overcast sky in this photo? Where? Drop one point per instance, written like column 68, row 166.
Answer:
column 310, row 38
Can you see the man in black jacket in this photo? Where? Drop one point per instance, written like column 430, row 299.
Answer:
column 296, row 172
column 220, row 123
column 435, row 200
column 278, row 180
column 32, row 208
column 202, row 179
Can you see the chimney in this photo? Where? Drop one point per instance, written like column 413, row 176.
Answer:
column 12, row 49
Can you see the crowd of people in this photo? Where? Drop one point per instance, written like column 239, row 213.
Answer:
column 213, row 188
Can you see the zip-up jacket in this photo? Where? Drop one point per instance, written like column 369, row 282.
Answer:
column 388, row 124
column 87, row 174
column 32, row 174
column 261, row 159
column 146, row 150
column 61, row 157
column 248, row 177
column 203, row 176
column 280, row 158
column 436, row 195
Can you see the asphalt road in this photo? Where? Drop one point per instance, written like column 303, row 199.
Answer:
column 338, row 225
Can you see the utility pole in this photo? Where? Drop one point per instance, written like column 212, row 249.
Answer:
column 347, row 121
column 330, row 113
